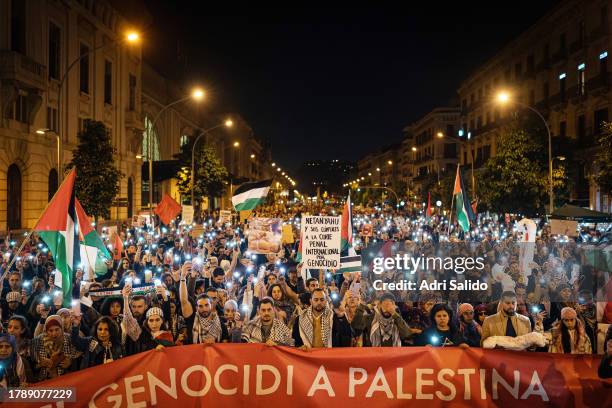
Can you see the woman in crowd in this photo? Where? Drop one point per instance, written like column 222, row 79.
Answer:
column 442, row 332
column 12, row 368
column 568, row 335
column 52, row 350
column 232, row 322
column 102, row 347
column 281, row 302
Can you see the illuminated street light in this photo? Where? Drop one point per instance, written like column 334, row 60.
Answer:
column 440, row 134
column 389, row 162
column 229, row 123
column 236, row 144
column 414, row 149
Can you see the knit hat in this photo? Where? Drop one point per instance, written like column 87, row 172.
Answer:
column 465, row 307
column 53, row 320
column 155, row 311
column 63, row 311
column 568, row 313
column 13, row 297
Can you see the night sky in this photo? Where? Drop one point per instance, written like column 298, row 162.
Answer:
column 329, row 82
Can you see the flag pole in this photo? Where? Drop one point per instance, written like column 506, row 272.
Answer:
column 450, row 217
column 29, row 233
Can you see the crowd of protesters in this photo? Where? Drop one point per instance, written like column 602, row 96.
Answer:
column 171, row 287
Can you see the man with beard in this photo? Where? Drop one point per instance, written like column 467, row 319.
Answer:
column 506, row 322
column 203, row 325
column 318, row 326
column 384, row 326
column 266, row 328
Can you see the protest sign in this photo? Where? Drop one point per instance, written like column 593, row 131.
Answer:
column 235, row 375
column 197, row 231
column 288, row 234
column 187, row 214
column 264, row 235
column 321, row 242
column 564, row 227
column 204, row 203
column 244, row 215
column 527, row 232
column 225, row 216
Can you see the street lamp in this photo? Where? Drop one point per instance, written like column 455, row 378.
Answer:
column 130, row 37
column 440, row 134
column 228, row 123
column 504, row 97
column 197, row 94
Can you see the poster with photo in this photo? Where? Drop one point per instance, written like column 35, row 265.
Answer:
column 264, row 235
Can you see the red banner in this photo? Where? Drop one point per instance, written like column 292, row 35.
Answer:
column 253, row 375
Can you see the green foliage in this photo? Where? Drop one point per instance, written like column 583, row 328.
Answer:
column 515, row 180
column 603, row 160
column 97, row 181
column 211, row 176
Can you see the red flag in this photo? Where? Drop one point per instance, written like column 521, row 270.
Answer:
column 428, row 205
column 117, row 246
column 167, row 209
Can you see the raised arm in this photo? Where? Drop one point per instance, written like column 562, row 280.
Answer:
column 186, row 307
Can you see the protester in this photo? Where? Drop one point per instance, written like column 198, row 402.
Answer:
column 12, row 368
column 468, row 328
column 102, row 347
column 266, row 328
column 568, row 335
column 442, row 332
column 506, row 322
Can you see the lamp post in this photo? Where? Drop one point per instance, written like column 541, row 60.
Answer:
column 197, row 94
column 228, row 123
column 131, row 37
column 504, row 97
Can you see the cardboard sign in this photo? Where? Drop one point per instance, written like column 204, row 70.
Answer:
column 197, row 231
column 204, row 203
column 321, row 242
column 288, row 234
column 264, row 235
column 225, row 217
column 187, row 214
column 564, row 227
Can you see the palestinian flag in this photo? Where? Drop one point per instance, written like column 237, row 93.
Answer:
column 59, row 227
column 250, row 195
column 350, row 264
column 346, row 228
column 91, row 242
column 462, row 203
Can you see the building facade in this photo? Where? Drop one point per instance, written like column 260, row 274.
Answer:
column 560, row 67
column 63, row 62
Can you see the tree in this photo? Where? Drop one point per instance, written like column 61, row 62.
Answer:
column 97, row 181
column 211, row 175
column 514, row 180
column 603, row 159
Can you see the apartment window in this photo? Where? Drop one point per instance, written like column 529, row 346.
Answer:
column 599, row 117
column 562, row 78
column 54, row 50
column 108, row 82
column 52, row 119
column 487, row 118
column 464, row 105
column 581, row 127
column 19, row 109
column 486, row 153
column 471, row 99
column 518, row 70
column 450, row 150
column 530, row 63
column 562, row 43
column 18, row 28
column 545, row 91
column 464, row 157
column 84, row 69
column 479, row 123
column 562, row 129
column 471, row 124
column 450, row 130
column 132, row 100
column 581, row 78
column 184, row 140
column 480, row 94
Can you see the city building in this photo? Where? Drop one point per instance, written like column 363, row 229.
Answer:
column 62, row 62
column 434, row 145
column 320, row 176
column 559, row 67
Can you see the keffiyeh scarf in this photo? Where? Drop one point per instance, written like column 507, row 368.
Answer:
column 279, row 333
column 306, row 327
column 383, row 329
column 203, row 327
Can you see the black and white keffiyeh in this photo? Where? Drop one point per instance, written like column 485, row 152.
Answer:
column 306, row 327
column 383, row 329
column 206, row 326
column 279, row 333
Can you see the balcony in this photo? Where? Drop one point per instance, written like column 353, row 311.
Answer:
column 559, row 56
column 599, row 85
column 133, row 120
column 23, row 69
column 600, row 32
